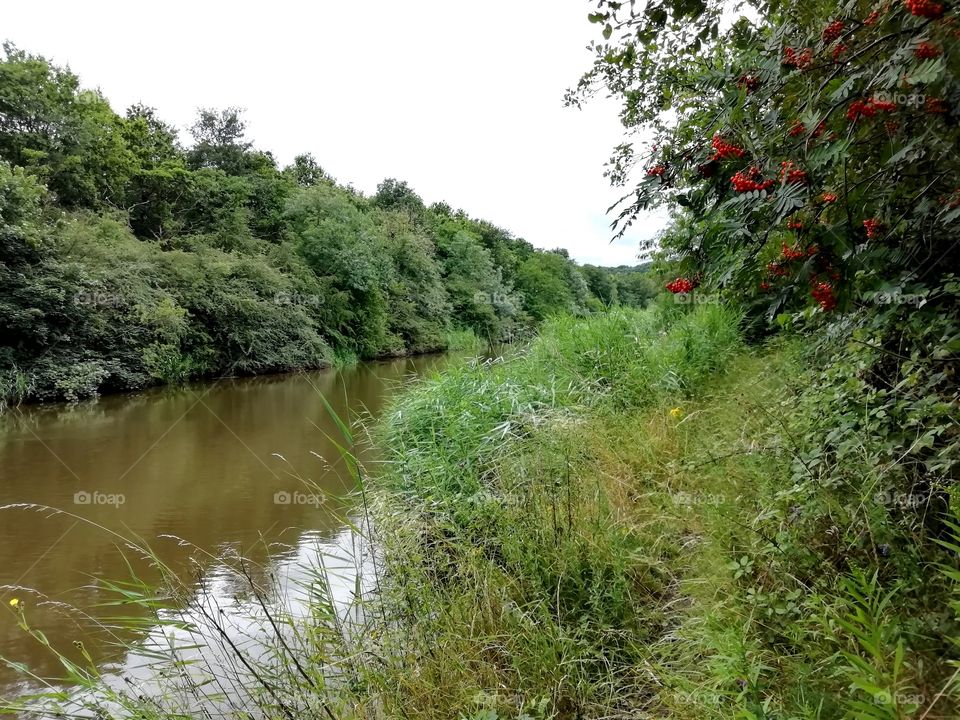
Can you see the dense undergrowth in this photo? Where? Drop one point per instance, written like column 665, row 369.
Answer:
column 129, row 259
column 608, row 526
column 636, row 516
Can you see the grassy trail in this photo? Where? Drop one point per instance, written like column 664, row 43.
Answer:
column 630, row 521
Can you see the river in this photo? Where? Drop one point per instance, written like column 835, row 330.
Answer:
column 235, row 467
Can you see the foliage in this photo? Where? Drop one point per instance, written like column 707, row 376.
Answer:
column 128, row 259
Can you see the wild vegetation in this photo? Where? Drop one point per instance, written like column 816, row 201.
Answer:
column 740, row 502
column 127, row 259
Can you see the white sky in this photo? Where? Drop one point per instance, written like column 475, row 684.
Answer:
column 462, row 100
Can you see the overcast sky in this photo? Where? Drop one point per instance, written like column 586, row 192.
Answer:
column 462, row 100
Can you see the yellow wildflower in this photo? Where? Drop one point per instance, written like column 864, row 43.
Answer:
column 676, row 412
column 14, row 602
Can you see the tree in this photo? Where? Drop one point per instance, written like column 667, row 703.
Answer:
column 219, row 142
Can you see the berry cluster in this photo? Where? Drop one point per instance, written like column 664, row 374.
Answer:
column 924, row 8
column 935, row 106
column 822, row 292
column 797, row 129
column 656, row 171
column 800, row 60
column 838, row 52
column 747, row 180
column 828, row 197
column 725, row 150
column 926, row 51
column 868, row 108
column 777, row 270
column 872, row 18
column 680, row 285
column 794, row 224
column 832, row 31
column 873, row 227
column 791, row 174
column 793, row 253
column 748, row 83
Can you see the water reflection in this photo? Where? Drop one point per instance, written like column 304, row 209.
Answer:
column 233, row 466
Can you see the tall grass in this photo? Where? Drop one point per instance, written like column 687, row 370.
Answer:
column 597, row 526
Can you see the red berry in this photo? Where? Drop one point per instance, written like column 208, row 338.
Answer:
column 791, row 174
column 656, row 171
column 873, row 227
column 924, row 8
column 822, row 292
column 748, row 83
column 926, row 51
column 829, row 197
column 725, row 150
column 680, row 285
column 801, row 60
column 832, row 31
column 792, row 253
column 747, row 180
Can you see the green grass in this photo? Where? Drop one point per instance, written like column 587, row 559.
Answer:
column 463, row 340
column 605, row 524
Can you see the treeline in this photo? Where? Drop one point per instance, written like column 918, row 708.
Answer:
column 127, row 259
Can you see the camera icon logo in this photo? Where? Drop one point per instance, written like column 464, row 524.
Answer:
column 282, row 497
column 82, row 498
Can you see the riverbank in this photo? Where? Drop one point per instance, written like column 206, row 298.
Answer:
column 637, row 517
column 640, row 518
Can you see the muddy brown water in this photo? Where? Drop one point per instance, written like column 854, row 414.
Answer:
column 241, row 464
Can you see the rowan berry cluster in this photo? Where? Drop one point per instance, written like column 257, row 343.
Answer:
column 793, row 253
column 680, row 285
column 926, row 51
column 832, row 31
column 800, row 60
column 656, row 171
column 794, row 224
column 822, row 292
column 747, row 180
column 725, row 150
column 935, row 106
column 868, row 108
column 748, row 83
column 873, row 227
column 924, row 8
column 828, row 197
column 791, row 174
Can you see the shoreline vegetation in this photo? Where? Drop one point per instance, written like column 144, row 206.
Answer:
column 622, row 520
column 129, row 259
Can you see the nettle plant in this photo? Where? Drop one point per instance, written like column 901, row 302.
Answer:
column 812, row 148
